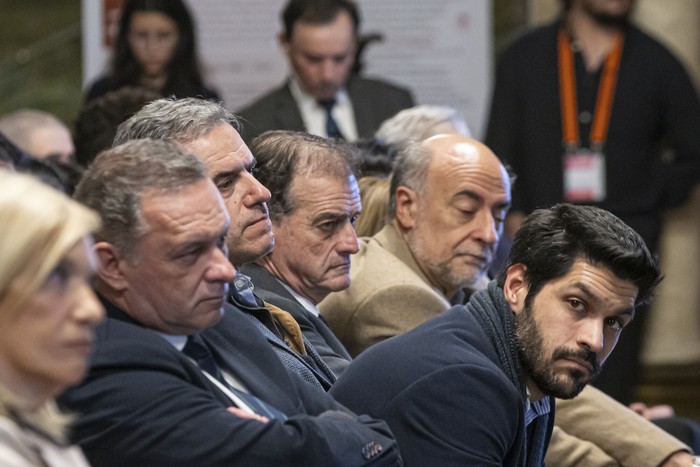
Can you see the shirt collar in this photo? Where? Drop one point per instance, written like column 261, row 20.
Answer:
column 305, row 99
column 176, row 341
column 535, row 409
column 305, row 302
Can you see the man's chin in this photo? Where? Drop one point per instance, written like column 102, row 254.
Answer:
column 562, row 386
column 571, row 388
column 339, row 282
column 244, row 250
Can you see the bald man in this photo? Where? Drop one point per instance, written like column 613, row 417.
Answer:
column 449, row 196
column 38, row 133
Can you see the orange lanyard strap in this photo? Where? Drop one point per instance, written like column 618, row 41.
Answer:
column 606, row 92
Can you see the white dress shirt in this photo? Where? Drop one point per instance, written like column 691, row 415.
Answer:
column 314, row 115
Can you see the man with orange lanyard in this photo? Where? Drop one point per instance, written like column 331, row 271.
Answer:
column 580, row 110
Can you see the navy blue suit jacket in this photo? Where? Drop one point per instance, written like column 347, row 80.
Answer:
column 145, row 404
column 442, row 392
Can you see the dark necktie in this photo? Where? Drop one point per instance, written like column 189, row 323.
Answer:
column 198, row 351
column 332, row 130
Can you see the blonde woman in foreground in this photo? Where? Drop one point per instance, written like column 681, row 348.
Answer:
column 47, row 317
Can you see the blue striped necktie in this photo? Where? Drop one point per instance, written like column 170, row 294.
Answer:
column 197, row 350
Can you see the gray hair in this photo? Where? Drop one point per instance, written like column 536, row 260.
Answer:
column 415, row 123
column 282, row 155
column 410, row 170
column 181, row 120
column 117, row 179
column 19, row 125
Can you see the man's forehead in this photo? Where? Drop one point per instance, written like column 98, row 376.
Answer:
column 190, row 210
column 312, row 190
column 465, row 171
column 220, row 149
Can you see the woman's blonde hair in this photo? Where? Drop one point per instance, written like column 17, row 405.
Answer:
column 39, row 226
column 374, row 193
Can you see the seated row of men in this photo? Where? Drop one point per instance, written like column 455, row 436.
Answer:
column 190, row 372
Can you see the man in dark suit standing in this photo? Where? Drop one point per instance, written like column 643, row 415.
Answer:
column 321, row 96
column 174, row 381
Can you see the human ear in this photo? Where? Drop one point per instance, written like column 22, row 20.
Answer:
column 406, row 207
column 515, row 288
column 109, row 268
column 283, row 42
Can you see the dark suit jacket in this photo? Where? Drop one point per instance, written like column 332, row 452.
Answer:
column 309, row 367
column 444, row 394
column 314, row 329
column 146, row 404
column 373, row 101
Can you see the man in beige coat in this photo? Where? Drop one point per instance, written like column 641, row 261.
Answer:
column 449, row 196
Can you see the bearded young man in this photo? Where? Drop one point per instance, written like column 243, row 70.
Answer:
column 479, row 384
column 583, row 110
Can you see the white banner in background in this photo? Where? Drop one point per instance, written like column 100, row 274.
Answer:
column 440, row 49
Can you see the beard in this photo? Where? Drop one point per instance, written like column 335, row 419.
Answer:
column 613, row 20
column 451, row 274
column 539, row 366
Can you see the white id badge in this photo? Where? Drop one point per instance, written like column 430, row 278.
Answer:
column 584, row 176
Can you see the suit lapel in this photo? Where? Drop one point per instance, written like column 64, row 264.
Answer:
column 287, row 114
column 313, row 376
column 235, row 344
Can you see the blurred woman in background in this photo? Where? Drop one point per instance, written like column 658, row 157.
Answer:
column 155, row 48
column 48, row 313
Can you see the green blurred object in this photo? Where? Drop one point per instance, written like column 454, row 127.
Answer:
column 40, row 56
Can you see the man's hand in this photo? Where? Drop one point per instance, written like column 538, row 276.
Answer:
column 679, row 459
column 243, row 414
column 655, row 412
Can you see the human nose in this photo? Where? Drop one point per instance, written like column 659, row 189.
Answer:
column 328, row 70
column 349, row 243
column 89, row 309
column 590, row 335
column 220, row 269
column 256, row 193
column 488, row 228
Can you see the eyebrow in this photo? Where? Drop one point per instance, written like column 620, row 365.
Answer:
column 590, row 296
column 224, row 175
column 202, row 239
column 478, row 198
column 324, row 216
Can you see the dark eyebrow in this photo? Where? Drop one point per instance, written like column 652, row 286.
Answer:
column 324, row 216
column 590, row 296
